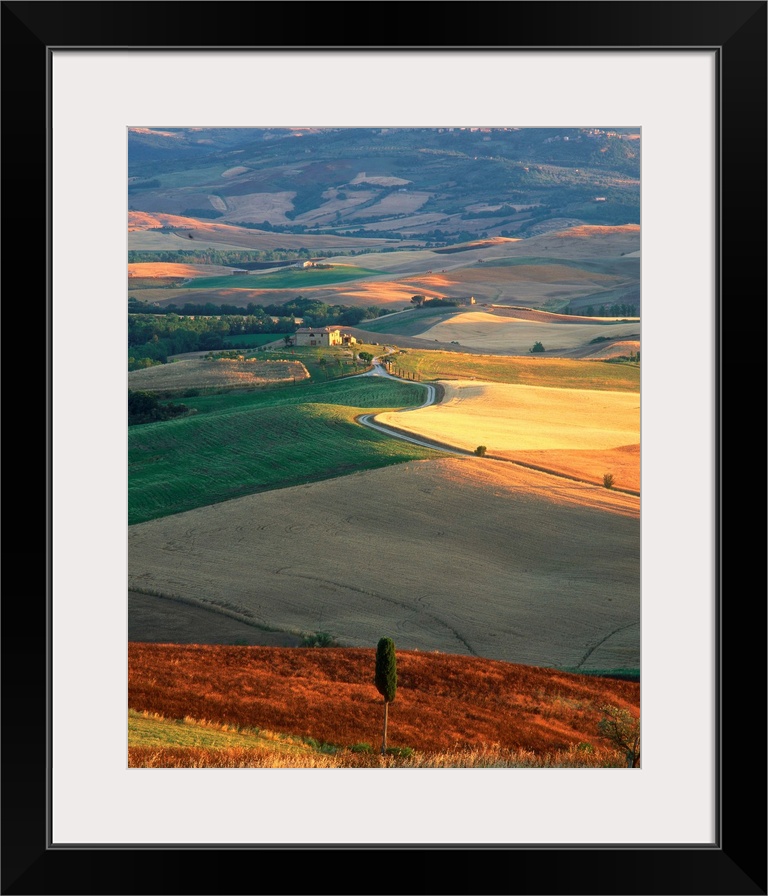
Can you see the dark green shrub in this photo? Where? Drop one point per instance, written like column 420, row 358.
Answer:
column 402, row 752
column 319, row 639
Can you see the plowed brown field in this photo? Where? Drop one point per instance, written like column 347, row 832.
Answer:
column 463, row 555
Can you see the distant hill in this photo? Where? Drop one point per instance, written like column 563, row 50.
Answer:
column 437, row 184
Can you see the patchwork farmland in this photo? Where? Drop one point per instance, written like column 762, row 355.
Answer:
column 491, row 526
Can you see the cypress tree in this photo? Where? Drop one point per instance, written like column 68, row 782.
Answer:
column 386, row 678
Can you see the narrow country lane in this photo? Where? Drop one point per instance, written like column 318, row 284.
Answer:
column 369, row 420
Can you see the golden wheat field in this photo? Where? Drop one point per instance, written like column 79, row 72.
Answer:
column 463, row 555
column 179, row 376
column 583, row 426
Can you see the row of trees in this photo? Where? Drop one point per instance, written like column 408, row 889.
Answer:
column 624, row 309
column 420, row 301
column 155, row 337
column 226, row 257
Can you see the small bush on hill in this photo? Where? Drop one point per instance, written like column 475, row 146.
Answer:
column 319, row 639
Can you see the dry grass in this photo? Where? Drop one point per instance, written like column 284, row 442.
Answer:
column 443, row 704
column 482, row 757
column 463, row 555
column 223, row 373
column 508, row 418
column 495, row 332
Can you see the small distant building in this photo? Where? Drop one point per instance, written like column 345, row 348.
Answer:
column 322, row 336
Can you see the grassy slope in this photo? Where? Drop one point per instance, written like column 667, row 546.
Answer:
column 244, row 443
column 559, row 373
column 411, row 324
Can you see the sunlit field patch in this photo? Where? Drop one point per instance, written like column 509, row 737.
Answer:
column 523, row 418
column 478, row 329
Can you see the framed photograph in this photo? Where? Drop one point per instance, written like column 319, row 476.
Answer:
column 688, row 80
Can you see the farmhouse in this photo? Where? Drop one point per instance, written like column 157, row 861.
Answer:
column 322, row 336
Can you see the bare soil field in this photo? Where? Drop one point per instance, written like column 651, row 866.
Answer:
column 462, row 555
column 363, row 178
column 152, row 269
column 258, row 207
column 223, row 373
column 580, row 426
column 494, row 332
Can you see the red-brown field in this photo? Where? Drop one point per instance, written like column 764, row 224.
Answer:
column 443, row 701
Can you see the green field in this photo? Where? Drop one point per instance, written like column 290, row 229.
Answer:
column 150, row 730
column 560, row 373
column 413, row 323
column 242, row 443
column 293, row 278
column 338, row 359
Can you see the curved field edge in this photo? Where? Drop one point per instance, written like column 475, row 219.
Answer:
column 242, row 444
column 556, row 373
column 463, row 555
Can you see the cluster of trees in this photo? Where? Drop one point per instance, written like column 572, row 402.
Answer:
column 153, row 337
column 155, row 333
column 226, row 257
column 420, row 301
column 318, row 314
column 144, row 407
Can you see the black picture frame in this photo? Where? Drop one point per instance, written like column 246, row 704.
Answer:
column 736, row 863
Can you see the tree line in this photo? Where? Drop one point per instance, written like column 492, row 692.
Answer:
column 154, row 334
